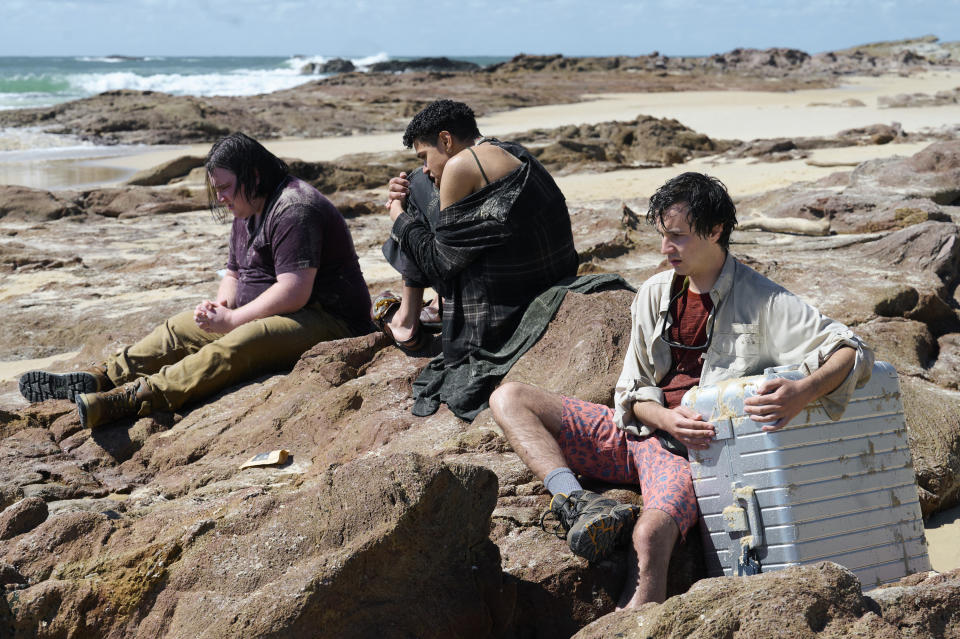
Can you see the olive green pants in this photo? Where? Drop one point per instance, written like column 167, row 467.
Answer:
column 182, row 362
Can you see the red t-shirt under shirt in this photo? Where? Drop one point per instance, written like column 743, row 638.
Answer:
column 690, row 313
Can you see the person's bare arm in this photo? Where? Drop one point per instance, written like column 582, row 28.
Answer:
column 227, row 292
column 779, row 400
column 288, row 294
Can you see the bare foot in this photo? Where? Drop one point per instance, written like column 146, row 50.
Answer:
column 401, row 332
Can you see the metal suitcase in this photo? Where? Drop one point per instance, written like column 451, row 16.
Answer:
column 815, row 490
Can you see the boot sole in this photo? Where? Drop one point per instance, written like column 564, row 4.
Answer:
column 39, row 386
column 597, row 538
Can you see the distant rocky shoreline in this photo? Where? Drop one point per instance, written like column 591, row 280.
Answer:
column 351, row 102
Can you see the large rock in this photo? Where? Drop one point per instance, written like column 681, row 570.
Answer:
column 22, row 203
column 931, row 247
column 167, row 171
column 822, row 600
column 134, row 201
column 646, row 141
column 22, row 517
column 398, row 543
column 933, row 173
column 933, row 427
column 423, row 64
column 946, row 370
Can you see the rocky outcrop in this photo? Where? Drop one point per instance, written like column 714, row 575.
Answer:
column 772, row 63
column 933, row 174
column 152, row 529
column 343, row 175
column 933, row 420
column 166, row 172
column 644, row 142
column 21, row 517
column 440, row 64
column 336, row 65
column 912, row 100
column 822, row 600
column 22, row 203
column 136, row 201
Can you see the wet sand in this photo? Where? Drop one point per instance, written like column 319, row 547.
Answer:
column 943, row 540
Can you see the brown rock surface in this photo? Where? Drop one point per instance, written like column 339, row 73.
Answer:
column 933, row 173
column 21, row 517
column 152, row 529
column 646, row 141
column 22, row 203
column 164, row 173
column 933, row 421
column 822, row 600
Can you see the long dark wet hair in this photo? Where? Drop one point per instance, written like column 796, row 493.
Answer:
column 259, row 172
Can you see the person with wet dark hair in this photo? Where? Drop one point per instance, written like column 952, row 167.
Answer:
column 486, row 226
column 292, row 279
column 258, row 172
column 706, row 319
column 707, row 201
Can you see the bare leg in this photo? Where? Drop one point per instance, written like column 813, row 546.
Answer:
column 530, row 418
column 405, row 319
column 654, row 535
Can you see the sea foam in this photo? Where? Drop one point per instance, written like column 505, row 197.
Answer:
column 241, row 82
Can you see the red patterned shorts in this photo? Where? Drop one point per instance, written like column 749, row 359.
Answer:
column 594, row 447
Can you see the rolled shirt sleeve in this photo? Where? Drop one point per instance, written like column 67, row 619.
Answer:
column 799, row 333
column 639, row 376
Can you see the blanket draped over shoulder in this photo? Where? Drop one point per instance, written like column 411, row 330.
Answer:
column 490, row 254
column 465, row 386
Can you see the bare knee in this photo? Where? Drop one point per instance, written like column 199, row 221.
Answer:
column 507, row 398
column 654, row 533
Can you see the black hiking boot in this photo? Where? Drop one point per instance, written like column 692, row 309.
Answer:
column 39, row 386
column 129, row 400
column 592, row 524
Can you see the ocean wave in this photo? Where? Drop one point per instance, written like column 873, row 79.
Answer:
column 241, row 82
column 116, row 59
column 33, row 139
column 362, row 64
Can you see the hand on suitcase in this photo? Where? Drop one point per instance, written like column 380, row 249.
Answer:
column 777, row 401
column 688, row 427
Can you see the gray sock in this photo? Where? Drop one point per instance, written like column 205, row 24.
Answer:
column 561, row 480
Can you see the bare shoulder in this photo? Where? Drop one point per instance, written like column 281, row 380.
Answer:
column 496, row 161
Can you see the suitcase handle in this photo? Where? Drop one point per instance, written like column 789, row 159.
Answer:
column 749, row 496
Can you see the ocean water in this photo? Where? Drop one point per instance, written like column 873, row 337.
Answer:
column 45, row 81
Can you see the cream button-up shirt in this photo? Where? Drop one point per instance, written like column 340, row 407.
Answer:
column 758, row 324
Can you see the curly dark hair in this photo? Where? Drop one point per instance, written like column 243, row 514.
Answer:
column 259, row 172
column 442, row 115
column 707, row 200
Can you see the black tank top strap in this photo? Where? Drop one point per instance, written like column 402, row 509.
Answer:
column 479, row 166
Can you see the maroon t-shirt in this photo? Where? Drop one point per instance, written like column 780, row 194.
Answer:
column 690, row 312
column 301, row 229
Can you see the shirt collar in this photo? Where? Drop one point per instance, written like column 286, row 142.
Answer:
column 721, row 288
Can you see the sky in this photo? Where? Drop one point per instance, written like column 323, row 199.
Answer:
column 354, row 28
